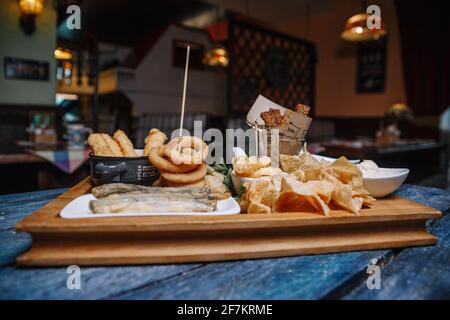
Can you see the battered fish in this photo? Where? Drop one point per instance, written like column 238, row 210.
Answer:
column 156, row 203
column 119, row 188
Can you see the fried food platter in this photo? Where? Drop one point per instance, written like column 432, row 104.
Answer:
column 391, row 222
column 162, row 205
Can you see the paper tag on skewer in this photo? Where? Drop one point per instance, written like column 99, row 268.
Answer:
column 296, row 125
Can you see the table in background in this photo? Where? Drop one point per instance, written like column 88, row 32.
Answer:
column 423, row 159
column 25, row 172
column 411, row 273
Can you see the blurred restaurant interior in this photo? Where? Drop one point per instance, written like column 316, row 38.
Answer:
column 384, row 96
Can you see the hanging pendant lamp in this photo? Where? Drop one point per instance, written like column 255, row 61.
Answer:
column 357, row 29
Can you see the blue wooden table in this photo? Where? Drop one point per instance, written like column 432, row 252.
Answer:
column 412, row 273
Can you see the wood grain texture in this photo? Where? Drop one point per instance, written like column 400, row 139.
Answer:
column 305, row 277
column 47, row 218
column 416, row 273
column 96, row 282
column 391, row 223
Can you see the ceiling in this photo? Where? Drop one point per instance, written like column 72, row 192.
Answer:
column 271, row 11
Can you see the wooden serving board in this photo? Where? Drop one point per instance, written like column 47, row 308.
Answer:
column 392, row 222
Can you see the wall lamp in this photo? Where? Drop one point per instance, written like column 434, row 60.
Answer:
column 29, row 10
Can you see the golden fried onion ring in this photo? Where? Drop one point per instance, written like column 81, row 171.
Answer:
column 156, row 158
column 190, row 150
column 198, row 184
column 155, row 138
column 188, row 177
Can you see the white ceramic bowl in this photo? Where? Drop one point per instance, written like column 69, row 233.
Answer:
column 390, row 181
column 239, row 181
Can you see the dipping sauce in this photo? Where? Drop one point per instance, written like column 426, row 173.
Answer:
column 371, row 170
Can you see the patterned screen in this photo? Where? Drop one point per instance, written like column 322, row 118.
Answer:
column 276, row 65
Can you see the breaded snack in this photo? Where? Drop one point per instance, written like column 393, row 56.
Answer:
column 113, row 146
column 303, row 109
column 157, row 158
column 272, row 118
column 185, row 178
column 188, row 150
column 124, row 143
column 98, row 145
column 155, row 138
column 103, row 145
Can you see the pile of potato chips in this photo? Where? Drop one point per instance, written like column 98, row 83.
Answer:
column 308, row 185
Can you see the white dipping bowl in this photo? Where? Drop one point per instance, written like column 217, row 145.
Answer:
column 239, row 181
column 390, row 180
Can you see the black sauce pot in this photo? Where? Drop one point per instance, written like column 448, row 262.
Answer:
column 136, row 170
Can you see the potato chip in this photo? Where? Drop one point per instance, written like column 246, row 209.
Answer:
column 323, row 188
column 265, row 172
column 347, row 172
column 293, row 195
column 248, row 166
column 261, row 191
column 308, row 185
column 342, row 196
column 290, row 164
column 276, row 180
column 258, row 208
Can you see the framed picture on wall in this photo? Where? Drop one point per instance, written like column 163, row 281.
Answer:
column 263, row 61
column 24, row 69
column 371, row 68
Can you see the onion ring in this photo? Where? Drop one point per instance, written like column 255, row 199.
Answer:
column 155, row 138
column 190, row 150
column 199, row 184
column 188, row 177
column 156, row 158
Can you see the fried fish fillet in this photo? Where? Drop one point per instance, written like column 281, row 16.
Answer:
column 119, row 188
column 152, row 203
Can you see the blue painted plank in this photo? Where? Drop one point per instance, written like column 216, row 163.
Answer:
column 433, row 197
column 416, row 273
column 307, row 277
column 12, row 244
column 14, row 208
column 311, row 277
column 11, row 215
column 96, row 283
column 50, row 283
column 30, row 196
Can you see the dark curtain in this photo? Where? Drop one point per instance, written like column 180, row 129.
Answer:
column 425, row 38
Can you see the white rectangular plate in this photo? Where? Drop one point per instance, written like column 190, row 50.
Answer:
column 79, row 208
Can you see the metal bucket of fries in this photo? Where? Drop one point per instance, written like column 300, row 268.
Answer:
column 271, row 144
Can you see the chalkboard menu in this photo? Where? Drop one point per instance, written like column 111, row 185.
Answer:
column 25, row 69
column 371, row 70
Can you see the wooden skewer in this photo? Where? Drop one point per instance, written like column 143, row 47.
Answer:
column 183, row 103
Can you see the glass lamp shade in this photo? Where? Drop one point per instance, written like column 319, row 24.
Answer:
column 216, row 57
column 63, row 54
column 31, row 7
column 356, row 29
